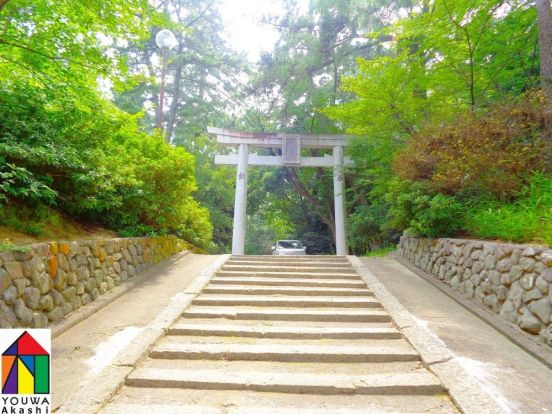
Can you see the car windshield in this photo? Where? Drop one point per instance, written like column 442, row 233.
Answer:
column 290, row 244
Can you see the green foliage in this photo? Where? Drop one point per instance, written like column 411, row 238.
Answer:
column 64, row 44
column 95, row 163
column 367, row 227
column 18, row 182
column 423, row 214
column 215, row 190
column 8, row 246
column 205, row 87
column 446, row 123
column 528, row 219
column 439, row 215
column 382, row 251
column 64, row 146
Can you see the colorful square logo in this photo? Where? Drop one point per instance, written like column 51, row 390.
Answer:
column 25, row 361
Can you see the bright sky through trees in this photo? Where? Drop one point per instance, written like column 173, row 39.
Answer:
column 244, row 26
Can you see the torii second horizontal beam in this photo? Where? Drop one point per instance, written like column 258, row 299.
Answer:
column 277, row 161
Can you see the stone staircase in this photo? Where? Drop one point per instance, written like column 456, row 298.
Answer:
column 277, row 334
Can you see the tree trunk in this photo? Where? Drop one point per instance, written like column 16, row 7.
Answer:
column 174, row 103
column 176, row 94
column 545, row 46
column 544, row 19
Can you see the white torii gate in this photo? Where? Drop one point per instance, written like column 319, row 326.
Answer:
column 291, row 145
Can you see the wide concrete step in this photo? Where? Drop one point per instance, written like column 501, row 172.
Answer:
column 420, row 383
column 284, row 314
column 283, row 352
column 292, row 258
column 137, row 400
column 293, row 342
column 193, row 409
column 293, row 301
column 283, row 332
column 289, row 269
column 279, row 263
column 292, row 275
column 284, row 291
column 279, row 367
column 276, row 281
column 285, row 323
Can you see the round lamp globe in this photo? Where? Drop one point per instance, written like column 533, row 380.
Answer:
column 165, row 39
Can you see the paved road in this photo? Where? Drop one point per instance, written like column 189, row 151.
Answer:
column 519, row 382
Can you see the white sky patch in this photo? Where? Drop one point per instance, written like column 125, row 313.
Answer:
column 105, row 86
column 302, row 99
column 108, row 350
column 244, row 27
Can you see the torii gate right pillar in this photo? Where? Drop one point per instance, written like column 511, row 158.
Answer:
column 339, row 202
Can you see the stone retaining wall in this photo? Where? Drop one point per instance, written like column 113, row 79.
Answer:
column 514, row 281
column 44, row 282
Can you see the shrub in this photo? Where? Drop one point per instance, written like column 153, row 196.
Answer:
column 437, row 215
column 418, row 212
column 368, row 228
column 93, row 162
column 50, row 152
column 477, row 155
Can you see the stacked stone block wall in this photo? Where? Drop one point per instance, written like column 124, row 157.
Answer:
column 514, row 281
column 42, row 283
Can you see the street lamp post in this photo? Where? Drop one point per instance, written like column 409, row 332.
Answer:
column 166, row 40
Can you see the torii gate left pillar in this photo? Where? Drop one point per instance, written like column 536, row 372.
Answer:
column 291, row 156
column 240, row 202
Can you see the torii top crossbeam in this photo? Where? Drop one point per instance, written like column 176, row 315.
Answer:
column 229, row 137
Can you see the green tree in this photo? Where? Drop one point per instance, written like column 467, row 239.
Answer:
column 203, row 88
column 443, row 58
column 303, row 75
column 69, row 44
column 63, row 145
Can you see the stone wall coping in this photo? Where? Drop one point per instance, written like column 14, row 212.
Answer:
column 463, row 242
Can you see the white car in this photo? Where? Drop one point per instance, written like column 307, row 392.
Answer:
column 288, row 248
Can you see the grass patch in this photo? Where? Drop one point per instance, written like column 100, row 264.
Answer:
column 381, row 252
column 20, row 224
column 526, row 220
column 9, row 246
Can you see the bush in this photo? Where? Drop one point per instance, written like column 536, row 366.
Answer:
column 368, row 228
column 50, row 152
column 414, row 210
column 94, row 163
column 478, row 155
column 477, row 177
